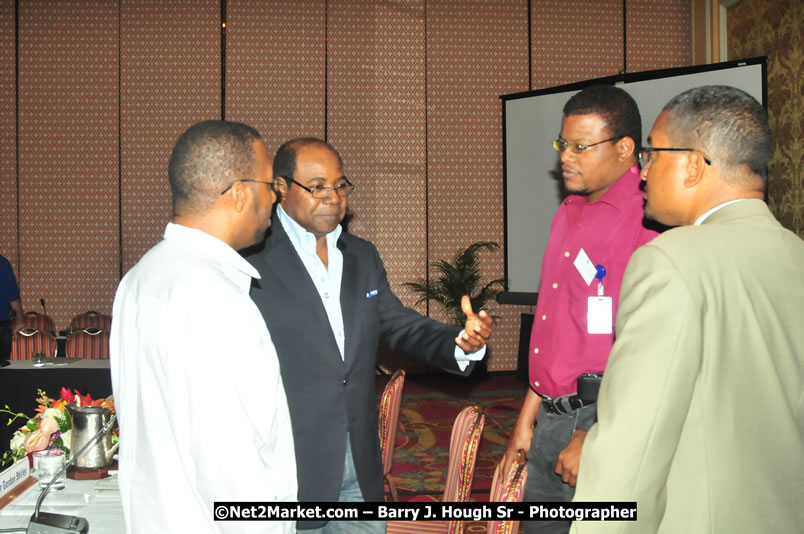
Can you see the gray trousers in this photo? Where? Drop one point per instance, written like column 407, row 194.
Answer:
column 551, row 435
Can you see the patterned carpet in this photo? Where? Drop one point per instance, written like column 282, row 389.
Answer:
column 429, row 406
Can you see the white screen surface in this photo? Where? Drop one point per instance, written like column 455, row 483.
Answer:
column 532, row 176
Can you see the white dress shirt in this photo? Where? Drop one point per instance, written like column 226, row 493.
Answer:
column 202, row 409
column 327, row 280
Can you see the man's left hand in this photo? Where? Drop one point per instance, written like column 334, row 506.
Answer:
column 570, row 458
column 478, row 328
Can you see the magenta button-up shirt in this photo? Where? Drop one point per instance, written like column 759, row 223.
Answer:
column 609, row 230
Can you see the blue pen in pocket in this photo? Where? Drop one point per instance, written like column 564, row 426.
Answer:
column 371, row 293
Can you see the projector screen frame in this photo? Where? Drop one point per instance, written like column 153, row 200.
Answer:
column 528, row 297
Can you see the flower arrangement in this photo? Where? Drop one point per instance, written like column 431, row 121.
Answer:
column 50, row 427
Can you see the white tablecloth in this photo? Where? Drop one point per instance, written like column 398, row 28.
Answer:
column 97, row 501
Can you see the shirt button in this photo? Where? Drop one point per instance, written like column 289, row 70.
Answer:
column 566, row 254
column 536, row 351
column 544, row 317
column 535, row 384
column 555, row 286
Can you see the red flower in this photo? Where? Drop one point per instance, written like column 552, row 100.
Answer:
column 66, row 396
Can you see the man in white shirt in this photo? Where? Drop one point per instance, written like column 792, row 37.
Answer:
column 202, row 408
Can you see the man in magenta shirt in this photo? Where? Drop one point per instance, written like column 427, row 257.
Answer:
column 593, row 234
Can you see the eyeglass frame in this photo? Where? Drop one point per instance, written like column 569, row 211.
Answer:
column 349, row 188
column 273, row 183
column 650, row 150
column 580, row 148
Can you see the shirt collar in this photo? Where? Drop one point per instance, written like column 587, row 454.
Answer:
column 709, row 212
column 301, row 238
column 202, row 242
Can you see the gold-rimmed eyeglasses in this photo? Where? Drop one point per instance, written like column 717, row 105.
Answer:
column 561, row 145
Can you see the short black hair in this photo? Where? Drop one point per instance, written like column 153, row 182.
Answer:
column 208, row 157
column 617, row 108
column 285, row 157
column 726, row 124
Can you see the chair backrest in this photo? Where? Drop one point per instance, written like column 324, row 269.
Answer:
column 463, row 445
column 29, row 340
column 39, row 321
column 508, row 488
column 91, row 319
column 90, row 344
column 388, row 423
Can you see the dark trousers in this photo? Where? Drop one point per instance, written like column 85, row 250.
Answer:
column 5, row 339
column 551, row 435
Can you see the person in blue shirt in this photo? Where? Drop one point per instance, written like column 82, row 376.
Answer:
column 9, row 301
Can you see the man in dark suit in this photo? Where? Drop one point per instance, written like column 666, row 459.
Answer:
column 327, row 303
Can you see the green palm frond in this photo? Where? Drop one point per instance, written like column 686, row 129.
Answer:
column 453, row 280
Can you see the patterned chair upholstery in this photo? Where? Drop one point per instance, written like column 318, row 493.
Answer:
column 29, row 340
column 89, row 343
column 91, row 319
column 39, row 321
column 388, row 425
column 510, row 488
column 463, row 445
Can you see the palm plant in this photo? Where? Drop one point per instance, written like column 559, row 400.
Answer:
column 456, row 279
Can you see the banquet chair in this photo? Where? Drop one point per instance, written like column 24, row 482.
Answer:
column 91, row 319
column 39, row 321
column 29, row 340
column 463, row 446
column 89, row 343
column 508, row 488
column 388, row 425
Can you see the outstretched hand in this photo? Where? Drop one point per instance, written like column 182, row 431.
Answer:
column 478, row 328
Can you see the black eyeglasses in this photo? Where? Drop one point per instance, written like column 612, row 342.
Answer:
column 646, row 154
column 273, row 185
column 342, row 189
column 561, row 145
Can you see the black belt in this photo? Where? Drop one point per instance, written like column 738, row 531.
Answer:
column 559, row 404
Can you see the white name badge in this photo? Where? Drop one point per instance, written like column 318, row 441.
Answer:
column 585, row 267
column 599, row 315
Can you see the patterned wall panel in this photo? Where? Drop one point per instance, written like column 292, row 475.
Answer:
column 8, row 136
column 376, row 119
column 659, row 34
column 170, row 78
column 575, row 40
column 276, row 66
column 68, row 155
column 774, row 29
column 476, row 51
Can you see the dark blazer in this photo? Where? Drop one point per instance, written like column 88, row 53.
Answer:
column 329, row 396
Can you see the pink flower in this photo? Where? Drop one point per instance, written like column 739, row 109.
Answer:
column 40, row 439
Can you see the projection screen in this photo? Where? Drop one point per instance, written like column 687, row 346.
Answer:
column 531, row 173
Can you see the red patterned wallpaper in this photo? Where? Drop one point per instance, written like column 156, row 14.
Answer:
column 408, row 90
column 275, row 68
column 575, row 40
column 659, row 34
column 476, row 51
column 68, row 156
column 8, row 141
column 376, row 119
column 170, row 59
